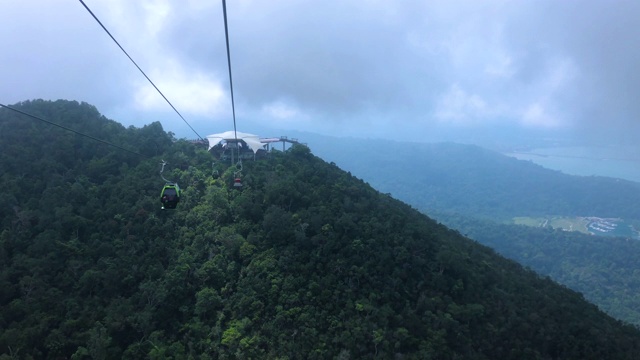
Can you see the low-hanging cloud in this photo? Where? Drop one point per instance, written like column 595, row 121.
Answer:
column 562, row 66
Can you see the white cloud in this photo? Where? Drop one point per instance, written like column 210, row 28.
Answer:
column 500, row 66
column 279, row 110
column 548, row 93
column 283, row 113
column 156, row 13
column 535, row 115
column 190, row 92
column 459, row 107
column 353, row 63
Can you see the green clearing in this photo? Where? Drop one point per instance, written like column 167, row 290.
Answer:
column 529, row 221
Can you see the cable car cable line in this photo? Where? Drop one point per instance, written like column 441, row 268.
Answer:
column 73, row 131
column 237, row 181
column 170, row 193
column 163, row 163
column 226, row 35
column 79, row 133
column 143, row 73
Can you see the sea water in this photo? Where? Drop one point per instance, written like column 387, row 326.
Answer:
column 586, row 161
column 591, row 161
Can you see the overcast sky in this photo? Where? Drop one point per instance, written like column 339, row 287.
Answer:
column 372, row 68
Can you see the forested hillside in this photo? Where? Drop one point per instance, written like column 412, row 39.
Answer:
column 305, row 262
column 605, row 270
column 474, row 190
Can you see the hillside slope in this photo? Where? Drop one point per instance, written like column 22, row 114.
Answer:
column 605, row 270
column 305, row 262
column 484, row 188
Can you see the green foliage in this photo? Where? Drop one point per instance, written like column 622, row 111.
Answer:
column 605, row 270
column 477, row 184
column 305, row 262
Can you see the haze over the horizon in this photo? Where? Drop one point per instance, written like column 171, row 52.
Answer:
column 405, row 70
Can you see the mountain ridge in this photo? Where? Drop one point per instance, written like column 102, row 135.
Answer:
column 306, row 261
column 604, row 269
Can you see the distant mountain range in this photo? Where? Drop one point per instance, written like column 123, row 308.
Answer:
column 474, row 181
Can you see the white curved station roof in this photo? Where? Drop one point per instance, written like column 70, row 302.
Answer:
column 253, row 141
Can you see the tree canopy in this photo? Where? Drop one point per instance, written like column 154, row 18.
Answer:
column 479, row 192
column 306, row 261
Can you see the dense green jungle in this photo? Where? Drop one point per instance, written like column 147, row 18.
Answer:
column 605, row 270
column 305, row 262
column 478, row 192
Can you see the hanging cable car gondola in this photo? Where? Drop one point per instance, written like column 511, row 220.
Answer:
column 237, row 180
column 237, row 176
column 170, row 194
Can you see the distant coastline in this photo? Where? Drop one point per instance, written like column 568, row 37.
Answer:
column 584, row 161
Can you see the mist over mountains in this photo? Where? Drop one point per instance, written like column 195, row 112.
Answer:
column 476, row 181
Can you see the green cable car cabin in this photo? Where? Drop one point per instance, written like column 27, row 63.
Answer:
column 170, row 196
